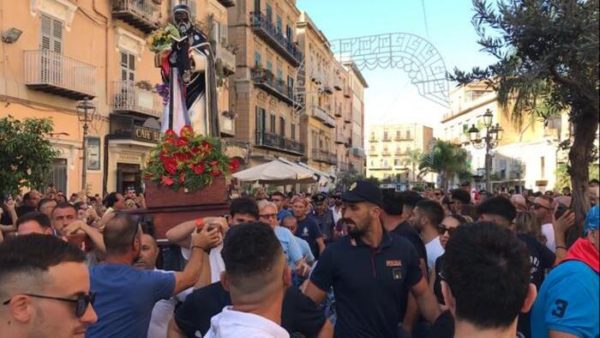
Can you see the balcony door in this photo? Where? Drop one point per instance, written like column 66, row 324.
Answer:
column 125, row 97
column 260, row 125
column 51, row 46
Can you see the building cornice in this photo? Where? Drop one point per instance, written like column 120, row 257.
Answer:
column 466, row 111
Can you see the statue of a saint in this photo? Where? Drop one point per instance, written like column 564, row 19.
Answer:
column 188, row 69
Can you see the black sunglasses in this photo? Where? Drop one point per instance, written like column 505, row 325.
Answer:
column 442, row 229
column 81, row 302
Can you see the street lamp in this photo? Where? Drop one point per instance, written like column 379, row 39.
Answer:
column 85, row 112
column 493, row 135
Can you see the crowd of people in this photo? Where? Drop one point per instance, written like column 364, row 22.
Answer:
column 363, row 262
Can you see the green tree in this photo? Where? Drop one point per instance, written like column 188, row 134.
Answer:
column 414, row 159
column 26, row 155
column 447, row 160
column 346, row 178
column 547, row 62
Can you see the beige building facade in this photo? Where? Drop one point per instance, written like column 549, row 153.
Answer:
column 391, row 148
column 526, row 156
column 71, row 50
column 318, row 123
column 356, row 116
column 262, row 92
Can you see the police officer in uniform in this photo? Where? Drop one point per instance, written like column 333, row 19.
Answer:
column 370, row 271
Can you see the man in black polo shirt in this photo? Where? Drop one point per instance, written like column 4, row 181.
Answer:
column 370, row 271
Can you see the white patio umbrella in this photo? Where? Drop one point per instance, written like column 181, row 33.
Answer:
column 276, row 172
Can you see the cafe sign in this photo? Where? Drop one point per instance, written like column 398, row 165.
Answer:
column 146, row 134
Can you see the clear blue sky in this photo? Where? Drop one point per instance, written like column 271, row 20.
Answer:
column 391, row 98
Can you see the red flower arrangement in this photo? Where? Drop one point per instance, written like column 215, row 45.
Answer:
column 188, row 160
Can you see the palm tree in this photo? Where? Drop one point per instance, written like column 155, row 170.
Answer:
column 414, row 159
column 446, row 159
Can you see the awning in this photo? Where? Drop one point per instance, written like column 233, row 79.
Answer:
column 276, row 172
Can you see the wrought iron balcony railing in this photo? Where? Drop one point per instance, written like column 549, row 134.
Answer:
column 264, row 79
column 141, row 14
column 55, row 73
column 321, row 115
column 278, row 142
column 269, row 32
column 129, row 97
column 319, row 155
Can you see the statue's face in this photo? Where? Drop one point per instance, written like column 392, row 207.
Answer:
column 182, row 21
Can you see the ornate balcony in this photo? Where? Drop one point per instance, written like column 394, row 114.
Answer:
column 268, row 32
column 324, row 156
column 131, row 98
column 278, row 142
column 264, row 79
column 227, row 58
column 227, row 3
column 321, row 115
column 57, row 74
column 141, row 14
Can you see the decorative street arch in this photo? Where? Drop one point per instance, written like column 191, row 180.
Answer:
column 413, row 54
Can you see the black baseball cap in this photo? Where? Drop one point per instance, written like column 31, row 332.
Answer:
column 363, row 191
column 319, row 198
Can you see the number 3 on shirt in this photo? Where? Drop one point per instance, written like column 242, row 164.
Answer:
column 560, row 306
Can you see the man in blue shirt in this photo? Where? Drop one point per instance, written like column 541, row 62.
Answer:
column 308, row 228
column 126, row 296
column 280, row 200
column 567, row 304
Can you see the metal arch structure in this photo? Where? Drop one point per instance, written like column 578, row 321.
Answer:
column 421, row 61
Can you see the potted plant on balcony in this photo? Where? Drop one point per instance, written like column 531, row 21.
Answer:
column 187, row 169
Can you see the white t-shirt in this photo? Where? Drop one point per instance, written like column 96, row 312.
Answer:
column 162, row 313
column 216, row 261
column 548, row 231
column 434, row 250
column 231, row 323
column 336, row 214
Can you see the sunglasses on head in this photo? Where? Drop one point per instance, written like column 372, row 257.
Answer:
column 442, row 229
column 81, row 302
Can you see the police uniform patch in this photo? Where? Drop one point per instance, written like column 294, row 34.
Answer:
column 397, row 273
column 352, row 187
column 393, row 263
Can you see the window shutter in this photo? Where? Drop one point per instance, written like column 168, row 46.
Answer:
column 57, row 36
column 46, row 32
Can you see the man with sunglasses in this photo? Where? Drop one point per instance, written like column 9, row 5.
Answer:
column 543, row 207
column 44, row 288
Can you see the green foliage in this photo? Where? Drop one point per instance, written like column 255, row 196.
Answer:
column 446, row 159
column 547, row 62
column 346, row 178
column 547, row 53
column 563, row 179
column 26, row 154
